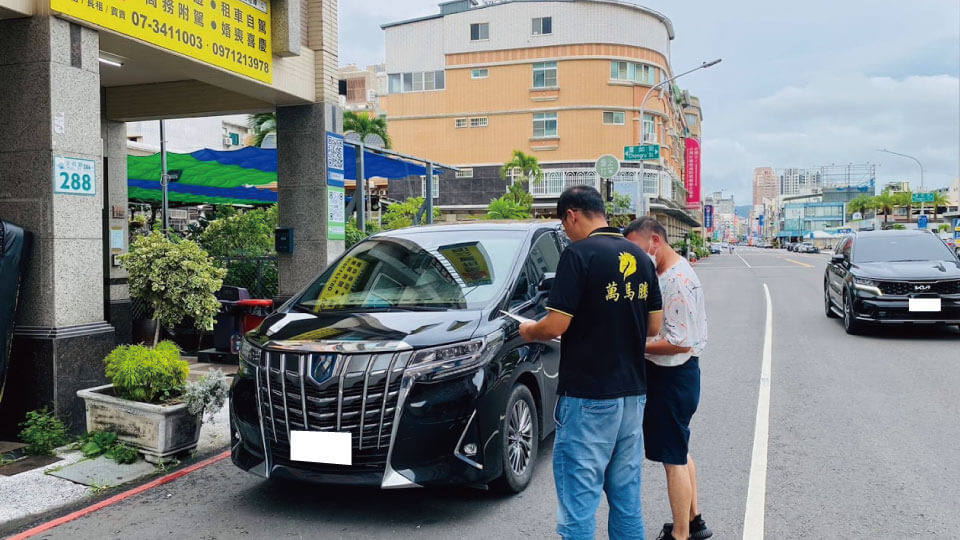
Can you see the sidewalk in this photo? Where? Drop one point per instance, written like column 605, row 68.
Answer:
column 30, row 494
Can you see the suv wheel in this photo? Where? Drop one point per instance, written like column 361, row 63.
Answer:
column 520, row 441
column 827, row 303
column 850, row 322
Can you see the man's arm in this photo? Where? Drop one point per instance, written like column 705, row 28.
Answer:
column 654, row 322
column 550, row 327
column 664, row 347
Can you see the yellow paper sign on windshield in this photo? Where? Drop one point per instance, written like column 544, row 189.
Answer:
column 340, row 283
column 470, row 260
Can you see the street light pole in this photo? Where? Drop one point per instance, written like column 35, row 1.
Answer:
column 658, row 85
column 921, row 174
column 164, row 179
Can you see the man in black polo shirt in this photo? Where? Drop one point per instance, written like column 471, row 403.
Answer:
column 605, row 302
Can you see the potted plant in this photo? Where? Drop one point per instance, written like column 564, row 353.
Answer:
column 178, row 279
column 149, row 404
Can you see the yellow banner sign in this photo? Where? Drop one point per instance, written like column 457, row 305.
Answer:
column 471, row 261
column 233, row 34
column 340, row 283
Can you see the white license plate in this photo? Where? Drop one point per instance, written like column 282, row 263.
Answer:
column 925, row 304
column 321, row 447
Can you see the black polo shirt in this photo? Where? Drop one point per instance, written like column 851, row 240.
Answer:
column 608, row 286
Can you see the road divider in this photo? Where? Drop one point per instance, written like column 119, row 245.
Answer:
column 798, row 262
column 757, row 486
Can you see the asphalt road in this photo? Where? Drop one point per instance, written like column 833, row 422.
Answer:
column 863, row 442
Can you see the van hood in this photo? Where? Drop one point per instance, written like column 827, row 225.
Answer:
column 909, row 270
column 418, row 329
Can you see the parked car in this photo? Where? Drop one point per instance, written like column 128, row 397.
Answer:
column 396, row 367
column 792, row 246
column 807, row 247
column 715, row 248
column 892, row 277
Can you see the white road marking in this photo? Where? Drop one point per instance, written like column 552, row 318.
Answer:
column 744, row 261
column 757, row 487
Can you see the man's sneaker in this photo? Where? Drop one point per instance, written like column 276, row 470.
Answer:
column 699, row 529
column 667, row 532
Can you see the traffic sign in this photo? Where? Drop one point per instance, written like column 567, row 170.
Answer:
column 922, row 222
column 607, row 166
column 923, row 197
column 642, row 152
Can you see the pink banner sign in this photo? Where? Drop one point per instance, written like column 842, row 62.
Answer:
column 692, row 173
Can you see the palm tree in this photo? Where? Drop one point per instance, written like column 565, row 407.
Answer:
column 363, row 125
column 884, row 203
column 528, row 168
column 904, row 199
column 860, row 203
column 262, row 125
column 506, row 208
column 939, row 199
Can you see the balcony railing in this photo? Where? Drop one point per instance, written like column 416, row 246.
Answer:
column 554, row 181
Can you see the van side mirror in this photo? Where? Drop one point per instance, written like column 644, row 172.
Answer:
column 837, row 258
column 546, row 282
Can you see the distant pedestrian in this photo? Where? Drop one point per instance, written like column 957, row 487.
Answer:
column 605, row 301
column 673, row 377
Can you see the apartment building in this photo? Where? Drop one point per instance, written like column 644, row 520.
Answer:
column 562, row 80
column 766, row 186
column 794, row 181
column 361, row 88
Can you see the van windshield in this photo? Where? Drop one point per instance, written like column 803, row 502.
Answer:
column 429, row 269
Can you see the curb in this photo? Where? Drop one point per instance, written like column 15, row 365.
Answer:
column 44, row 527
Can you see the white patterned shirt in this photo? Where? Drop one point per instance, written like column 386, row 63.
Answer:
column 684, row 314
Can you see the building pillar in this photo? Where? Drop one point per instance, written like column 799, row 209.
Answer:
column 50, row 83
column 302, row 191
column 117, row 305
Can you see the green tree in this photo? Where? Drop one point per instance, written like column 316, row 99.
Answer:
column 527, row 166
column 177, row 278
column 246, row 234
column 400, row 215
column 618, row 210
column 860, row 203
column 506, row 208
column 884, row 203
column 939, row 201
column 364, row 125
column 904, row 199
column 354, row 235
column 262, row 125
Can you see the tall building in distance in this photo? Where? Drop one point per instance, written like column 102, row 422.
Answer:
column 360, row 89
column 562, row 80
column 795, row 181
column 766, row 186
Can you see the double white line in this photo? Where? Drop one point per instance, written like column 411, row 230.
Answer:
column 757, row 487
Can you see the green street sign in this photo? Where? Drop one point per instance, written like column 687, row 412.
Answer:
column 607, row 166
column 642, row 152
column 923, row 197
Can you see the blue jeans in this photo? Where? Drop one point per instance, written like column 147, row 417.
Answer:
column 599, row 448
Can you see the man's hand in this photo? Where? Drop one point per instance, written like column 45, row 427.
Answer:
column 550, row 327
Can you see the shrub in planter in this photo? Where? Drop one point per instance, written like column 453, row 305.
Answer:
column 177, row 278
column 146, row 374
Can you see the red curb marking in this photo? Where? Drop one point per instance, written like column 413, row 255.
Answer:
column 119, row 497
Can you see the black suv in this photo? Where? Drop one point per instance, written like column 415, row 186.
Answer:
column 892, row 277
column 396, row 368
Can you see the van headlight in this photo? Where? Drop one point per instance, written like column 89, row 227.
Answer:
column 454, row 359
column 249, row 357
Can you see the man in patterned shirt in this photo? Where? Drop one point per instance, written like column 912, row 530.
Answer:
column 673, row 377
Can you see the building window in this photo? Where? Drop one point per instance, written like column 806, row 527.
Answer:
column 615, row 118
column 545, row 75
column 234, row 138
column 545, row 125
column 416, row 82
column 435, row 187
column 649, row 129
column 480, row 121
column 542, row 26
column 464, row 173
column 691, row 120
column 460, row 122
column 479, row 31
column 479, row 73
column 633, row 72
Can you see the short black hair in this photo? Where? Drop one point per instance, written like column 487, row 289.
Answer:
column 584, row 198
column 646, row 224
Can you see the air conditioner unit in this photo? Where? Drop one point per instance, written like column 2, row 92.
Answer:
column 227, row 141
column 181, row 215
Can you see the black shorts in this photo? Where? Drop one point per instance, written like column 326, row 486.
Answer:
column 673, row 394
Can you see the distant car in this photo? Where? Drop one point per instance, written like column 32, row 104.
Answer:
column 883, row 277
column 792, row 246
column 807, row 247
column 715, row 248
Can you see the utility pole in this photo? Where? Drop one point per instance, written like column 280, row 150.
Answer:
column 164, row 180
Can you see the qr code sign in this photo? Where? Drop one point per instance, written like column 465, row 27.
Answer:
column 335, row 207
column 334, row 153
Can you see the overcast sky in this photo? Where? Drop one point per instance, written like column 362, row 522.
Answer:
column 802, row 84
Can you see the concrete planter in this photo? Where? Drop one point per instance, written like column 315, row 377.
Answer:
column 158, row 431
